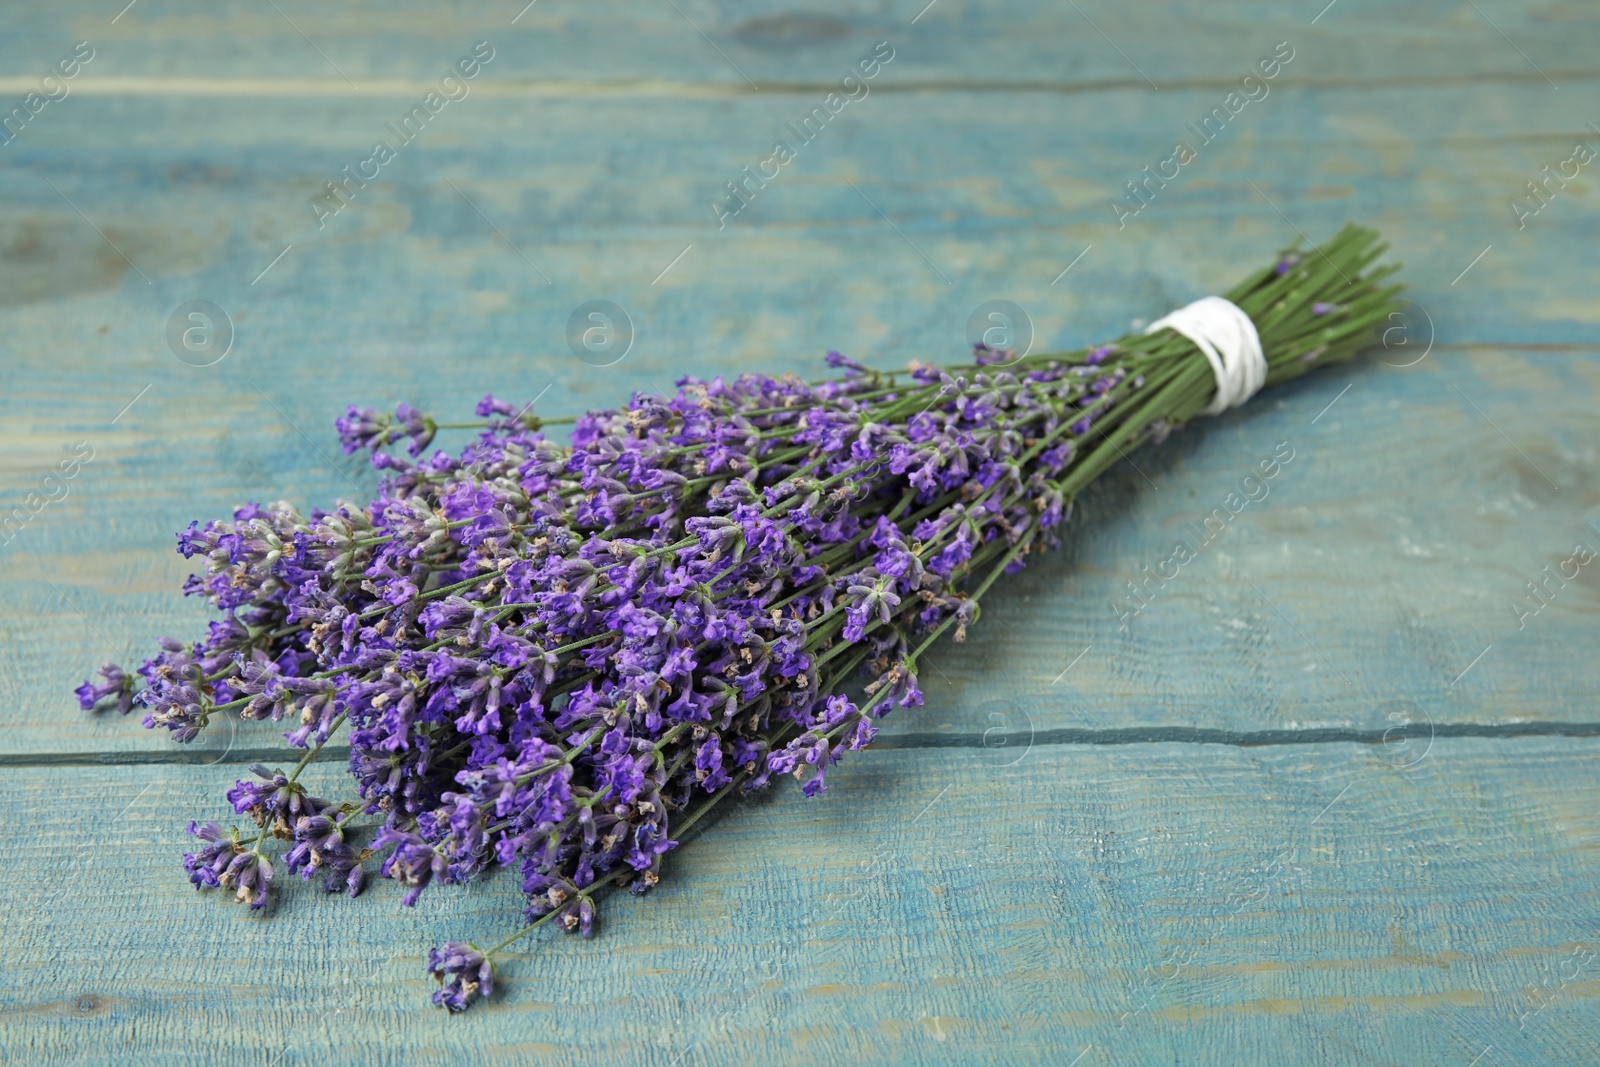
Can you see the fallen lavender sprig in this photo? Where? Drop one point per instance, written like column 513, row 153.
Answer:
column 556, row 657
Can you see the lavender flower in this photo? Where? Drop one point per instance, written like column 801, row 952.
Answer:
column 362, row 428
column 274, row 797
column 207, row 866
column 116, row 690
column 248, row 874
column 414, row 862
column 556, row 658
column 320, row 846
column 470, row 975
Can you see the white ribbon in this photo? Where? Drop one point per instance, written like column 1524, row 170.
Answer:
column 1227, row 338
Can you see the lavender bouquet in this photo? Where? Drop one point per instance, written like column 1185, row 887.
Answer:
column 559, row 658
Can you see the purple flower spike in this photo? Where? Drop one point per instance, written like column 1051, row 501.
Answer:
column 362, row 429
column 490, row 406
column 207, row 866
column 463, row 973
column 117, row 691
column 840, row 361
column 413, row 424
column 249, row 874
column 414, row 863
column 987, row 356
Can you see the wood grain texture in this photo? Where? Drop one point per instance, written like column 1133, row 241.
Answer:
column 1413, row 557
column 954, row 42
column 1106, row 868
column 1159, row 902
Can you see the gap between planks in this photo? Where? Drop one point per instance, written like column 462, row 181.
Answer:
column 1130, row 735
column 406, row 88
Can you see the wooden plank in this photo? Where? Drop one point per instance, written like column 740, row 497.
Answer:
column 1380, row 579
column 1150, row 903
column 1036, row 880
column 721, row 45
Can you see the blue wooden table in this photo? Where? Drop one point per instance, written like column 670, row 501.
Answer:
column 1329, row 798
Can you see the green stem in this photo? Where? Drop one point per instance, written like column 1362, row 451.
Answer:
column 583, row 894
